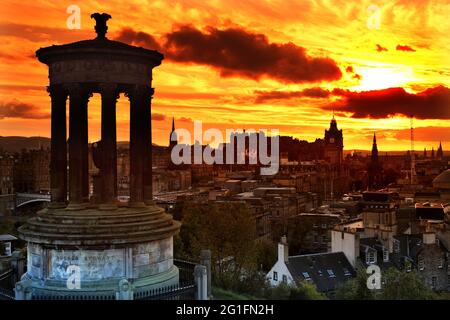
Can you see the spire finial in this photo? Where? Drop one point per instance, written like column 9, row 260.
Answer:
column 100, row 27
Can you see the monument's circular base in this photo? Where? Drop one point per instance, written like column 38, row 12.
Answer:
column 112, row 289
column 98, row 254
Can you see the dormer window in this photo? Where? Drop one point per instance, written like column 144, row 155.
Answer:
column 331, row 273
column 371, row 257
column 306, row 276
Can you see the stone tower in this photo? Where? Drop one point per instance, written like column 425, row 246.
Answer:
column 334, row 144
column 117, row 251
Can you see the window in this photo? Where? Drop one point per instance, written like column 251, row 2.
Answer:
column 385, row 255
column 306, row 275
column 434, row 282
column 275, row 276
column 324, row 225
column 320, row 273
column 396, row 246
column 421, row 263
column 371, row 258
column 284, row 278
column 331, row 273
column 346, row 272
column 440, row 263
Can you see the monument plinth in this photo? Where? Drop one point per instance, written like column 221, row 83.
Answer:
column 117, row 249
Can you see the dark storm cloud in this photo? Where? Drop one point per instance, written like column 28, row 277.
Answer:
column 432, row 103
column 17, row 109
column 237, row 52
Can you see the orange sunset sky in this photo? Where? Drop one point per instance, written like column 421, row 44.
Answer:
column 253, row 64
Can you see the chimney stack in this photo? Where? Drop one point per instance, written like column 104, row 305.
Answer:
column 283, row 250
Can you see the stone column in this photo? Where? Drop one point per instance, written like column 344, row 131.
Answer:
column 79, row 98
column 205, row 260
column 148, row 191
column 109, row 145
column 58, row 160
column 85, row 148
column 136, row 95
column 201, row 282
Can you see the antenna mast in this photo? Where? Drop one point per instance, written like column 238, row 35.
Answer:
column 412, row 155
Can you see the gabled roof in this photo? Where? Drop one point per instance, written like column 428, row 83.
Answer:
column 325, row 270
column 7, row 237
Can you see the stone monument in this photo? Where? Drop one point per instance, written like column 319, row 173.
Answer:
column 84, row 249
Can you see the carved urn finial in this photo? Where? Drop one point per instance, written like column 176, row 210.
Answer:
column 100, row 27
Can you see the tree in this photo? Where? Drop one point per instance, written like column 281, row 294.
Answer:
column 356, row 288
column 302, row 291
column 398, row 285
column 228, row 230
column 266, row 255
column 306, row 291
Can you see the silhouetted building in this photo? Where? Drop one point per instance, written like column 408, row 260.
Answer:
column 334, row 144
column 440, row 152
column 6, row 174
column 32, row 171
column 375, row 169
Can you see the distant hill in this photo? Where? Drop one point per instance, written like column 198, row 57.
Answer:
column 16, row 144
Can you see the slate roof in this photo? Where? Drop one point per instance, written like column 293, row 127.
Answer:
column 7, row 237
column 325, row 270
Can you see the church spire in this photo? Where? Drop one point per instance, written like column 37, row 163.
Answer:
column 173, row 138
column 374, row 148
column 440, row 152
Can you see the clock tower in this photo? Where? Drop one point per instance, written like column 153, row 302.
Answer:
column 334, row 144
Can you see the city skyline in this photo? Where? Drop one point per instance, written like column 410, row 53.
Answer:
column 344, row 63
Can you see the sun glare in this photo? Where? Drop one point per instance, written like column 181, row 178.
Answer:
column 375, row 78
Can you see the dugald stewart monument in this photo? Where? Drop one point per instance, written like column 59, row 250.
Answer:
column 116, row 250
